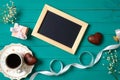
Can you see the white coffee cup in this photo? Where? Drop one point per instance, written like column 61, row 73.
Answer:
column 14, row 61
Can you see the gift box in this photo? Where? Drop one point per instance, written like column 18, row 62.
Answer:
column 19, row 31
column 117, row 37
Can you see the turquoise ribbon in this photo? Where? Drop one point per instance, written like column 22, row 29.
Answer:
column 76, row 65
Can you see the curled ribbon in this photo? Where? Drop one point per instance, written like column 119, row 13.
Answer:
column 81, row 66
column 18, row 29
column 77, row 65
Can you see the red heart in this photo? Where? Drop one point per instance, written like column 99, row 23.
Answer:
column 95, row 38
column 29, row 59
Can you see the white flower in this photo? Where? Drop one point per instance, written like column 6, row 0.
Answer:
column 9, row 13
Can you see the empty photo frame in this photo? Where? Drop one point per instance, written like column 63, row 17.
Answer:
column 59, row 29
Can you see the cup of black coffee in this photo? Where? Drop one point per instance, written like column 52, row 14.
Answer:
column 14, row 61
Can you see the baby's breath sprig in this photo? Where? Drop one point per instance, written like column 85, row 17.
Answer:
column 113, row 63
column 8, row 13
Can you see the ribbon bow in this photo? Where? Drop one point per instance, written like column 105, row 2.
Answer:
column 18, row 30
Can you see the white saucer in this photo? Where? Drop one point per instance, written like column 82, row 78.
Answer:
column 14, row 74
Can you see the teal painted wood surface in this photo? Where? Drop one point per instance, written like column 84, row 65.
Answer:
column 102, row 15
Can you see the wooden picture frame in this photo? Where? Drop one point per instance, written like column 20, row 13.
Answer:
column 59, row 29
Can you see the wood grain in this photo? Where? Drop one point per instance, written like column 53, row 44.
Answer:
column 102, row 16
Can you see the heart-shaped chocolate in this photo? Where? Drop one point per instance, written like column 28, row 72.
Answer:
column 29, row 59
column 95, row 38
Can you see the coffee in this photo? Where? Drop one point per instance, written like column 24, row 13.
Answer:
column 13, row 60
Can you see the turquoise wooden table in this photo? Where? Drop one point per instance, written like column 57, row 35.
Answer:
column 102, row 15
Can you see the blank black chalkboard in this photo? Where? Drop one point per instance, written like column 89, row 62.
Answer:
column 59, row 29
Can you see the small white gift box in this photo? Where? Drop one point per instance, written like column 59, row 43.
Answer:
column 19, row 31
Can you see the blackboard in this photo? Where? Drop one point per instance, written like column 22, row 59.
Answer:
column 65, row 34
column 59, row 29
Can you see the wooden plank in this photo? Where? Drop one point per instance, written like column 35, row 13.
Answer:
column 32, row 41
column 71, row 4
column 90, row 16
